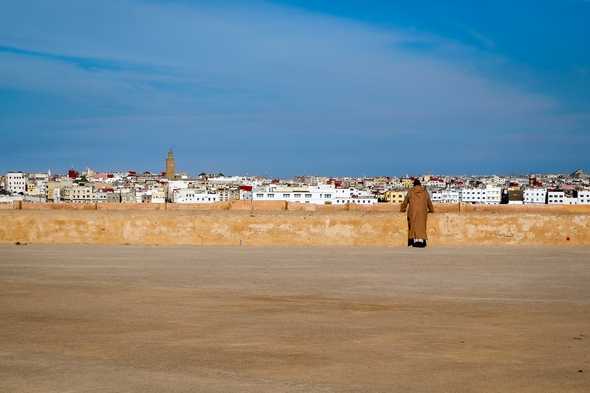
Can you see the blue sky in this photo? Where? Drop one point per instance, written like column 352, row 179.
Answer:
column 290, row 87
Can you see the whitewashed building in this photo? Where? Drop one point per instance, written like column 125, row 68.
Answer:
column 535, row 196
column 584, row 197
column 488, row 196
column 54, row 190
column 37, row 186
column 16, row 182
column 10, row 198
column 228, row 193
column 193, row 195
column 155, row 196
column 127, row 195
column 323, row 194
column 555, row 197
column 177, row 185
column 493, row 195
column 173, row 186
column 35, row 198
column 245, row 193
column 78, row 194
column 103, row 196
column 226, row 180
column 151, row 195
column 445, row 196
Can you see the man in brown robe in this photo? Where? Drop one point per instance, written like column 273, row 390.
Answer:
column 418, row 205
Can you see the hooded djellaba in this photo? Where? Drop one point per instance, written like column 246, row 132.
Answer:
column 418, row 204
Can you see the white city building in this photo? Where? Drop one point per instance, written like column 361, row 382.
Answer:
column 156, row 196
column 489, row 195
column 584, row 197
column 175, row 185
column 446, row 196
column 106, row 196
column 493, row 195
column 227, row 193
column 56, row 195
column 555, row 197
column 193, row 195
column 152, row 195
column 323, row 194
column 535, row 196
column 10, row 198
column 78, row 194
column 245, row 193
column 16, row 182
column 37, row 184
column 226, row 180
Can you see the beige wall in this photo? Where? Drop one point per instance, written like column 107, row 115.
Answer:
column 282, row 205
column 270, row 224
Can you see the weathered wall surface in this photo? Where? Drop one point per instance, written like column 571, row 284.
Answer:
column 282, row 205
column 278, row 227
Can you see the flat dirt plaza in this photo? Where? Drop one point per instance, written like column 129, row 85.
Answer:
column 192, row 319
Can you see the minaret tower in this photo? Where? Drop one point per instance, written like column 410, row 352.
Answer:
column 170, row 166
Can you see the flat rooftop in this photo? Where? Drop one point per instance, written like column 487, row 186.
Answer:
column 209, row 319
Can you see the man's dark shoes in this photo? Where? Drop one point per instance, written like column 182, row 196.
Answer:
column 419, row 243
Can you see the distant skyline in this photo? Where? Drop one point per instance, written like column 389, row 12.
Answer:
column 292, row 87
column 196, row 172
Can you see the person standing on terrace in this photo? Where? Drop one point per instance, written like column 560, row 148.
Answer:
column 418, row 204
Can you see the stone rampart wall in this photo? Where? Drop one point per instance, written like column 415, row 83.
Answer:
column 279, row 224
column 285, row 206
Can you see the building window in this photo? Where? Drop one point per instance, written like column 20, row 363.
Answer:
column 308, row 195
column 271, row 196
column 286, row 195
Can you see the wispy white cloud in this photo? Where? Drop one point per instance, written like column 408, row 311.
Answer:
column 485, row 41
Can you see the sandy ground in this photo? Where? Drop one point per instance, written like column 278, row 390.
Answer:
column 182, row 319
